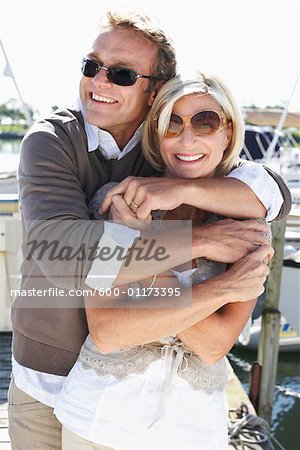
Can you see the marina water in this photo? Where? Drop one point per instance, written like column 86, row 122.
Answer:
column 286, row 409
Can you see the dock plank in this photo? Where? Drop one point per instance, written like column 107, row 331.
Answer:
column 5, row 373
column 235, row 392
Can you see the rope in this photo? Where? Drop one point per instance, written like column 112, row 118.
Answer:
column 240, row 362
column 288, row 392
column 247, row 429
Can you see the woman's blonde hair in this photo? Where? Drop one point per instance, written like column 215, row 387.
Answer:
column 158, row 118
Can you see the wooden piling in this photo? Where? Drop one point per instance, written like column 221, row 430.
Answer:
column 269, row 337
column 254, row 384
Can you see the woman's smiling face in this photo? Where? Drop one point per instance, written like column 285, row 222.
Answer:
column 189, row 155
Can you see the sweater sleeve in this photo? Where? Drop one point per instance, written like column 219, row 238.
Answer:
column 102, row 274
column 59, row 236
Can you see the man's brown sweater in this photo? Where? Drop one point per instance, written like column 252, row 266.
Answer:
column 57, row 179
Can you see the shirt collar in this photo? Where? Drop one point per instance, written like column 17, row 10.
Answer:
column 97, row 137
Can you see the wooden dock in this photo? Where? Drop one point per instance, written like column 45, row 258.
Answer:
column 5, row 372
column 235, row 392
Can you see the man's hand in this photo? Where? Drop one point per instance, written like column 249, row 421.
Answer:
column 121, row 213
column 148, row 193
column 228, row 240
column 245, row 279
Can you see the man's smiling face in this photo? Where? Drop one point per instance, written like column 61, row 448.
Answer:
column 119, row 109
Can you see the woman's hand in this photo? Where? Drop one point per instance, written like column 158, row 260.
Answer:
column 121, row 213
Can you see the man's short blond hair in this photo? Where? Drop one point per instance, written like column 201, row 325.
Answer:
column 165, row 66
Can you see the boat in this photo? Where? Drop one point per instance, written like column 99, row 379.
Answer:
column 10, row 254
column 289, row 300
column 289, row 339
column 7, row 135
column 285, row 160
column 8, row 183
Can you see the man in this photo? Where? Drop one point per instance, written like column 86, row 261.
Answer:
column 64, row 160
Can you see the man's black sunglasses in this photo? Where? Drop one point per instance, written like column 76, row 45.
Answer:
column 117, row 75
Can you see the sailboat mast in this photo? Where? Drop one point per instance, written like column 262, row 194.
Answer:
column 8, row 72
column 278, row 129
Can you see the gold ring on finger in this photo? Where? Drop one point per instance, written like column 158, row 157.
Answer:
column 134, row 205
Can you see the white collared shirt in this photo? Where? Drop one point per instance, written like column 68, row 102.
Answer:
column 106, row 143
column 102, row 274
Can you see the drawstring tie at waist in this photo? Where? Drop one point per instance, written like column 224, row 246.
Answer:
column 178, row 359
column 174, row 355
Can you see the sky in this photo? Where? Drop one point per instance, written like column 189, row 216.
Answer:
column 253, row 45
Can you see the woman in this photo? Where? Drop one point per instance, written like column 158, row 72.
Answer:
column 168, row 393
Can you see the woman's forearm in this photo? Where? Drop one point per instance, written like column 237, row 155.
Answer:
column 116, row 328
column 213, row 337
column 122, row 327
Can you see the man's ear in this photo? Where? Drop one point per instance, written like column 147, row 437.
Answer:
column 154, row 91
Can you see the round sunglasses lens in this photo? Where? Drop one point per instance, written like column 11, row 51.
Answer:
column 206, row 122
column 122, row 77
column 175, row 124
column 89, row 68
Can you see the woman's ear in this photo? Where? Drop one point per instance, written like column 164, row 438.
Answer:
column 228, row 133
column 154, row 91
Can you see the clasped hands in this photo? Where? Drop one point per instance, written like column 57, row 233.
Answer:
column 141, row 195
